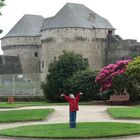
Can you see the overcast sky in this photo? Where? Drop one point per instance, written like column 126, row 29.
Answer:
column 124, row 15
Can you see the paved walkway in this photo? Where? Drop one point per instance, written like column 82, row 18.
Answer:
column 86, row 114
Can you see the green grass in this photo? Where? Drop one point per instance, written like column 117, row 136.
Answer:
column 125, row 112
column 24, row 115
column 24, row 104
column 83, row 130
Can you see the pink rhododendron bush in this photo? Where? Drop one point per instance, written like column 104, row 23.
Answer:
column 107, row 75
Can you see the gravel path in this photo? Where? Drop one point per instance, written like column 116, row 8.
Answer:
column 87, row 113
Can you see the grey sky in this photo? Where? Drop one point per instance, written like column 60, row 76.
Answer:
column 122, row 14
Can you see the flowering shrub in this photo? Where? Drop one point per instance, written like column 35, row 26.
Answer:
column 107, row 74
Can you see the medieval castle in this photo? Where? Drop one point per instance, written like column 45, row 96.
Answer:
column 37, row 41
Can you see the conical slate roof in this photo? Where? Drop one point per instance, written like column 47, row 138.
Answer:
column 28, row 25
column 76, row 15
column 71, row 15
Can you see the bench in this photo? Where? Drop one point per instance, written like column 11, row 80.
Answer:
column 118, row 99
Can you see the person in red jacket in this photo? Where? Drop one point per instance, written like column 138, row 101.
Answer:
column 73, row 107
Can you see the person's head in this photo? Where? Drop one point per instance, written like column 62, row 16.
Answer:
column 71, row 96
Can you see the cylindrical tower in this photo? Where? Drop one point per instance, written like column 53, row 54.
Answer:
column 23, row 40
column 74, row 28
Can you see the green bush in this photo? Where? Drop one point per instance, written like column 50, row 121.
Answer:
column 60, row 71
column 133, row 70
column 84, row 81
column 133, row 73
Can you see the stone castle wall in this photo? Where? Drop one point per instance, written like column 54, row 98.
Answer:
column 36, row 53
column 124, row 49
column 25, row 40
column 27, row 48
column 88, row 42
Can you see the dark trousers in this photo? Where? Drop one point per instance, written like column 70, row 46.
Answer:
column 73, row 119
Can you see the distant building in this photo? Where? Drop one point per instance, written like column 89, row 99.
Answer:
column 38, row 41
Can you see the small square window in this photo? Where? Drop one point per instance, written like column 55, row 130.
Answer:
column 109, row 32
column 36, row 54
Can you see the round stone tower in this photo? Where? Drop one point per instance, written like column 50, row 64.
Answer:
column 75, row 28
column 23, row 40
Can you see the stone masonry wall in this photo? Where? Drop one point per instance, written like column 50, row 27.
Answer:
column 123, row 49
column 79, row 40
column 9, row 41
column 27, row 48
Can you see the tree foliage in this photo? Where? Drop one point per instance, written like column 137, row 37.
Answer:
column 2, row 3
column 59, row 72
column 133, row 73
column 85, row 81
column 133, row 70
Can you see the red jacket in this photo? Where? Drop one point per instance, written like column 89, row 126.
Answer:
column 73, row 102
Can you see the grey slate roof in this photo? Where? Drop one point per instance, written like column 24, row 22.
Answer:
column 76, row 15
column 10, row 65
column 28, row 25
column 71, row 15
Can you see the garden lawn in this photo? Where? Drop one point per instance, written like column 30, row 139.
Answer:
column 24, row 104
column 125, row 112
column 24, row 115
column 83, row 130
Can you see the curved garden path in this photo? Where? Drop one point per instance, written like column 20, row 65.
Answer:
column 87, row 113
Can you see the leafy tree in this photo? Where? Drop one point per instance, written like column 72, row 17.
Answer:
column 2, row 3
column 133, row 70
column 59, row 72
column 85, row 81
column 133, row 73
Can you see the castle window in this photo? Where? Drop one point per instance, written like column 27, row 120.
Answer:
column 0, row 60
column 86, row 60
column 3, row 60
column 36, row 54
column 39, row 66
column 109, row 32
column 55, row 58
column 42, row 64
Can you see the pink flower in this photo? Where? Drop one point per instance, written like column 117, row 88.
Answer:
column 105, row 77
